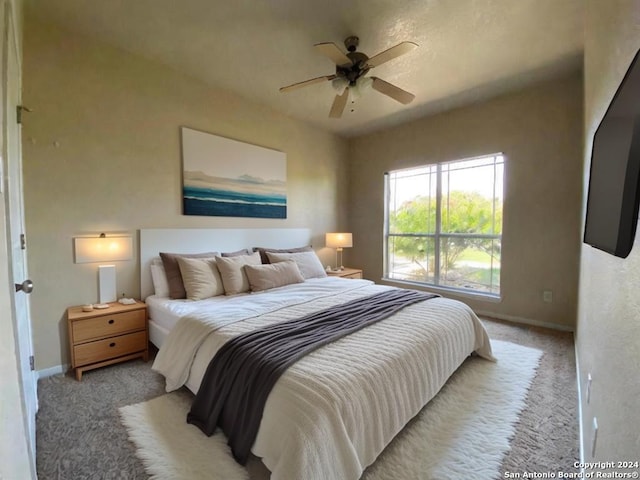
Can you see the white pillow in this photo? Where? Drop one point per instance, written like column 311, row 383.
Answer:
column 232, row 272
column 265, row 277
column 159, row 279
column 308, row 262
column 201, row 277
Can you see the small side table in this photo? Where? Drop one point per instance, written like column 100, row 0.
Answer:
column 346, row 273
column 106, row 336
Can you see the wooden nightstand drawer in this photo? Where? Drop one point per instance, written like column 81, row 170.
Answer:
column 353, row 275
column 108, row 325
column 109, row 348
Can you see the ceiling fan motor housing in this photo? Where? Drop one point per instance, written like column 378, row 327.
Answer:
column 357, row 68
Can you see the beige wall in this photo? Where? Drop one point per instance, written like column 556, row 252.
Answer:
column 608, row 335
column 102, row 153
column 539, row 130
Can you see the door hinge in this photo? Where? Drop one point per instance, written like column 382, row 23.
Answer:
column 23, row 241
column 19, row 110
column 32, row 363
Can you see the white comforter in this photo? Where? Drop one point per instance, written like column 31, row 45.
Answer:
column 332, row 413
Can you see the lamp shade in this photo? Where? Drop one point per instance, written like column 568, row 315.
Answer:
column 339, row 84
column 363, row 86
column 103, row 249
column 339, row 240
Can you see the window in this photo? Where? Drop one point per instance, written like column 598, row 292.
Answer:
column 443, row 224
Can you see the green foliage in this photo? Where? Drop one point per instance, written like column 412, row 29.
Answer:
column 462, row 213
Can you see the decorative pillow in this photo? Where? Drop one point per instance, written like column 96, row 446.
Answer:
column 244, row 251
column 159, row 279
column 201, row 277
column 263, row 251
column 172, row 270
column 232, row 272
column 264, row 277
column 308, row 262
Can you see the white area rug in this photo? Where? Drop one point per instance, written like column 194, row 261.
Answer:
column 463, row 432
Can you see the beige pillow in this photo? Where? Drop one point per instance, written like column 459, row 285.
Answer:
column 201, row 277
column 264, row 277
column 237, row 253
column 232, row 272
column 172, row 270
column 263, row 251
column 159, row 279
column 308, row 262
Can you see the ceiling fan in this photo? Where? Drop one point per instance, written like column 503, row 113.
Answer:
column 351, row 69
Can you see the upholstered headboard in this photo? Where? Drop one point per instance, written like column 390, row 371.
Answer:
column 195, row 240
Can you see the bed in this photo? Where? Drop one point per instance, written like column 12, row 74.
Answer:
column 335, row 410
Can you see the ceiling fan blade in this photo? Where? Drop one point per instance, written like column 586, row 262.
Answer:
column 391, row 53
column 338, row 104
column 392, row 91
column 331, row 50
column 307, row 82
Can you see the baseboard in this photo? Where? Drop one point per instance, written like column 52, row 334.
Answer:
column 580, row 416
column 51, row 371
column 525, row 321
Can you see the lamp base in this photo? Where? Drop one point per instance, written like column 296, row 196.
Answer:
column 107, row 283
column 339, row 266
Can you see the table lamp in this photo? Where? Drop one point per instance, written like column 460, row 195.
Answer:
column 339, row 241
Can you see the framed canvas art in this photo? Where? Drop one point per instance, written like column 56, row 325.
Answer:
column 228, row 178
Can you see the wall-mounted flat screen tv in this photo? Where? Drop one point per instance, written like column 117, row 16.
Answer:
column 614, row 180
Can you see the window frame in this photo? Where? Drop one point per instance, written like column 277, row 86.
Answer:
column 438, row 235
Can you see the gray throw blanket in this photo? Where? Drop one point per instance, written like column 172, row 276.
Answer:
column 240, row 376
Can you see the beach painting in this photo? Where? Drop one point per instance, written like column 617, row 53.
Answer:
column 228, row 178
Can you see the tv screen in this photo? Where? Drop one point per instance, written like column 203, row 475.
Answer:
column 614, row 180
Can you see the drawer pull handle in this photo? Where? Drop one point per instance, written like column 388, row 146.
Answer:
column 111, row 321
column 112, row 344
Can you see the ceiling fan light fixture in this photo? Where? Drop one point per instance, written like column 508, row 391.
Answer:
column 339, row 84
column 362, row 87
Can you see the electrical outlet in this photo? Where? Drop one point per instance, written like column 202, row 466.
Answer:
column 594, row 438
column 547, row 296
column 588, row 394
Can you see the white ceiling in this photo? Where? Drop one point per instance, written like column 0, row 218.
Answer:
column 468, row 49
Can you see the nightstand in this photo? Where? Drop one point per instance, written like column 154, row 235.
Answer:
column 107, row 336
column 346, row 273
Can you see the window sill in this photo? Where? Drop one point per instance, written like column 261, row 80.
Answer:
column 480, row 296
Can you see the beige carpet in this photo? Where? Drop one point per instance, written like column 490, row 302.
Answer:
column 466, row 428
